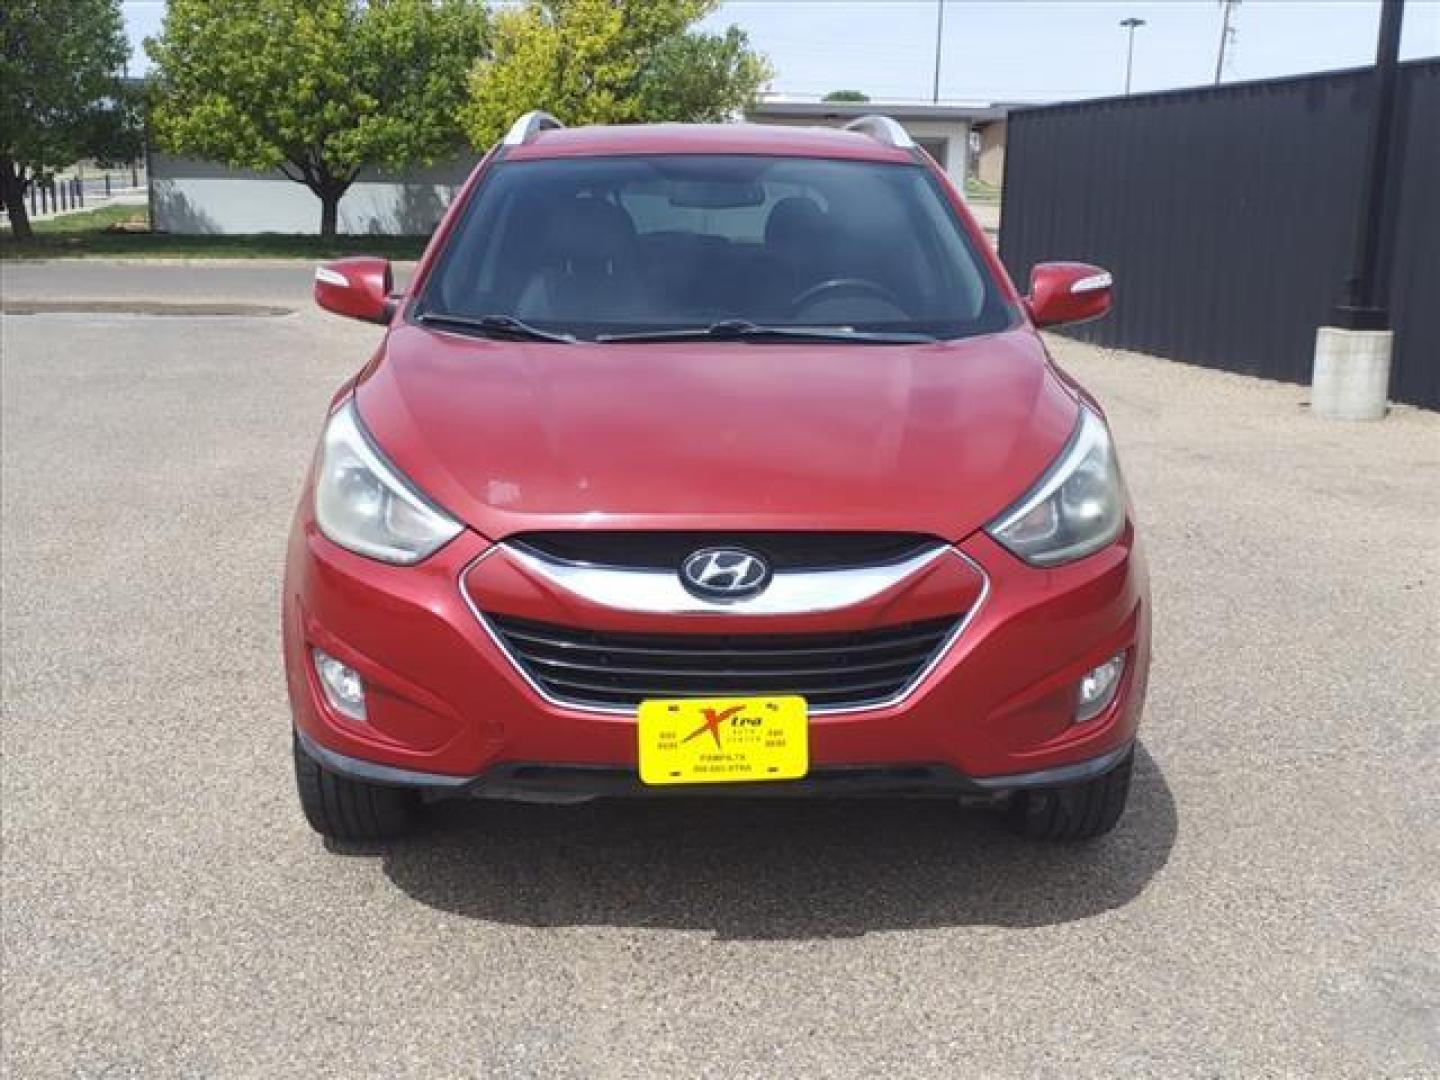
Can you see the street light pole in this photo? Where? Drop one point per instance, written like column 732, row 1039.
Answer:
column 939, row 32
column 1351, row 376
column 1226, row 33
column 1131, row 24
column 1363, row 306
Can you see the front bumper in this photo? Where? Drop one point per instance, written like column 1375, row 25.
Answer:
column 448, row 711
column 575, row 783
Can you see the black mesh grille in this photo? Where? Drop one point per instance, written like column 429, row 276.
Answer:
column 783, row 550
column 590, row 667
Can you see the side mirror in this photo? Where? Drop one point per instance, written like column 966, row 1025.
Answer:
column 359, row 287
column 1068, row 292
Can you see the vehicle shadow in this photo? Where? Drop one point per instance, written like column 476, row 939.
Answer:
column 774, row 869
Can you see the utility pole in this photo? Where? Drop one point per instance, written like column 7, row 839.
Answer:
column 1131, row 24
column 1364, row 308
column 939, row 33
column 1352, row 353
column 1227, row 32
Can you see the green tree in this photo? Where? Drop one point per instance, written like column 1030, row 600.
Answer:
column 62, row 97
column 842, row 96
column 318, row 89
column 610, row 62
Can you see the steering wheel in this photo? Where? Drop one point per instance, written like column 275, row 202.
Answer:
column 845, row 285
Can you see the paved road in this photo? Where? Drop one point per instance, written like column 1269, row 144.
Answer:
column 167, row 280
column 175, row 281
column 1266, row 907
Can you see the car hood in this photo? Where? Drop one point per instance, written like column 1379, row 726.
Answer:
column 511, row 436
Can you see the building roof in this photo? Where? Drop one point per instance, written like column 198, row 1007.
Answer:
column 901, row 111
column 706, row 139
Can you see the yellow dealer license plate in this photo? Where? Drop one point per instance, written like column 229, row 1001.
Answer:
column 720, row 740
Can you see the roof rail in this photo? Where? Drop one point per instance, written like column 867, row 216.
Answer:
column 529, row 126
column 882, row 129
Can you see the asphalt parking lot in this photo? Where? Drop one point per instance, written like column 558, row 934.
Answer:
column 1266, row 907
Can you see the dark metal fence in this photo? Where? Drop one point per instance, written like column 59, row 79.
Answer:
column 52, row 194
column 1227, row 215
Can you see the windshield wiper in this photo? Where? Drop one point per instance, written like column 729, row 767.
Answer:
column 741, row 330
column 493, row 326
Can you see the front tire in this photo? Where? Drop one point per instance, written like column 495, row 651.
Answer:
column 1080, row 811
column 340, row 808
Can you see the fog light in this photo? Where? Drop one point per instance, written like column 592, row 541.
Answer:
column 343, row 687
column 1097, row 688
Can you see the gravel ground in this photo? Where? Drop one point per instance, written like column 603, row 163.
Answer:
column 1265, row 908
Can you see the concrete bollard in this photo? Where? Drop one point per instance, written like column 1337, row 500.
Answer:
column 1352, row 373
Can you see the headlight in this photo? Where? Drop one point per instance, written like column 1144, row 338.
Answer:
column 363, row 503
column 1077, row 508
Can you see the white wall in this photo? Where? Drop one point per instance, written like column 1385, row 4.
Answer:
column 956, row 134
column 189, row 196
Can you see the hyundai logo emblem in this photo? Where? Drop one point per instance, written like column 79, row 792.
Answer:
column 721, row 573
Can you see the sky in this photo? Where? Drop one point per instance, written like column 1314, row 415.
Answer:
column 1028, row 50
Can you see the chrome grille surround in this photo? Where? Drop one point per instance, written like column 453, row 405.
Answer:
column 492, row 627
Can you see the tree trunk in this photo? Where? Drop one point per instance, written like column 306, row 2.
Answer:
column 325, row 186
column 11, row 180
column 329, row 213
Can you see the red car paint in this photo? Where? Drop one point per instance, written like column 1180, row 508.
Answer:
column 514, row 436
column 359, row 287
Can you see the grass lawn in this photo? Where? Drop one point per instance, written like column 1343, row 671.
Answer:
column 979, row 191
column 123, row 232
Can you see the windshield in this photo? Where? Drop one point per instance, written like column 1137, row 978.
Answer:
column 606, row 247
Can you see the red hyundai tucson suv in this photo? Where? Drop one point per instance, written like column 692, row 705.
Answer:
column 713, row 459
